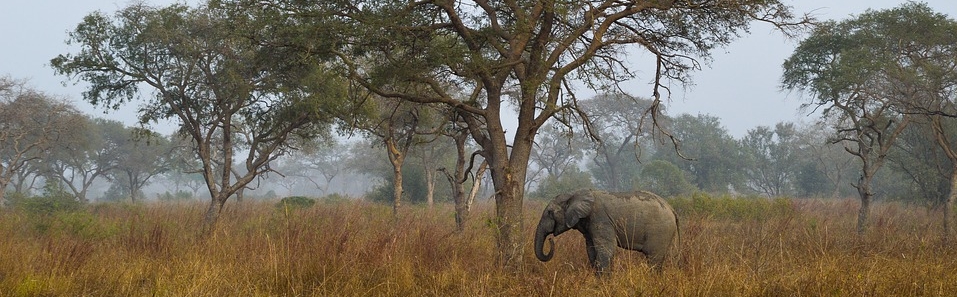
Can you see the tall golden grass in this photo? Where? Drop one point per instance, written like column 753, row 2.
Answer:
column 729, row 247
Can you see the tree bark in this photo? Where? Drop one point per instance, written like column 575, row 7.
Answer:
column 864, row 190
column 212, row 214
column 949, row 205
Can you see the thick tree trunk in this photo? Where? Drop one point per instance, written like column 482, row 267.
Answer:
column 508, row 212
column 212, row 214
column 509, row 175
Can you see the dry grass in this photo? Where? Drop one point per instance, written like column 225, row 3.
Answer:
column 782, row 248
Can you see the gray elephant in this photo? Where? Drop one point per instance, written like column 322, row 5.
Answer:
column 640, row 221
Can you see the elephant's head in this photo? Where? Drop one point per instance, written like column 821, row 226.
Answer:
column 561, row 214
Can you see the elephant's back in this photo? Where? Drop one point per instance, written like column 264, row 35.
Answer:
column 643, row 199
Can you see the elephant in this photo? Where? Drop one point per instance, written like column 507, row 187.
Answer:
column 639, row 221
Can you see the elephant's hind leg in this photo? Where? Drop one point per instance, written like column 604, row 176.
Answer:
column 656, row 252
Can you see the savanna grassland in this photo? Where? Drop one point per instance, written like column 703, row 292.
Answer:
column 729, row 247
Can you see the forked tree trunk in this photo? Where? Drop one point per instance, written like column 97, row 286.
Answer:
column 212, row 214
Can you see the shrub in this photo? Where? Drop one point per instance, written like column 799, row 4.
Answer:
column 178, row 196
column 53, row 200
column 295, row 202
column 335, row 198
column 732, row 208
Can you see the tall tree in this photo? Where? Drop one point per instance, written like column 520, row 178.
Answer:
column 91, row 154
column 868, row 72
column 556, row 150
column 619, row 124
column 770, row 159
column 710, row 155
column 31, row 125
column 826, row 167
column 399, row 126
column 141, row 158
column 925, row 76
column 464, row 162
column 236, row 99
column 522, row 53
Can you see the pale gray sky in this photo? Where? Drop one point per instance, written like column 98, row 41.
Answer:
column 740, row 86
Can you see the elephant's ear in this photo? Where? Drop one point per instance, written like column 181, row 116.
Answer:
column 579, row 206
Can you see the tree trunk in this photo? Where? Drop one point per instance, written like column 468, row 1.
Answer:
column 430, row 186
column 508, row 175
column 508, row 223
column 864, row 190
column 476, row 186
column 396, row 188
column 212, row 213
column 949, row 204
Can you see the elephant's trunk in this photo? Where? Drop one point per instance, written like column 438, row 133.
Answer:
column 540, row 235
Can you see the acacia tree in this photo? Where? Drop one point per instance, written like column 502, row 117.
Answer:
column 771, row 159
column 141, row 159
column 522, row 53
column 84, row 157
column 459, row 133
column 710, row 155
column 616, row 121
column 31, row 125
column 399, row 126
column 870, row 73
column 234, row 98
column 924, row 73
column 557, row 148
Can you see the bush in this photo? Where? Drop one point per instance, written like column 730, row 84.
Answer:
column 178, row 196
column 731, row 208
column 664, row 178
column 53, row 200
column 335, row 198
column 295, row 202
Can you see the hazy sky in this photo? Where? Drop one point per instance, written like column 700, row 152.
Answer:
column 740, row 86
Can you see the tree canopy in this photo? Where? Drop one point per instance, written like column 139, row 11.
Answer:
column 233, row 97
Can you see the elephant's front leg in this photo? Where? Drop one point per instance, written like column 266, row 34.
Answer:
column 603, row 255
column 590, row 249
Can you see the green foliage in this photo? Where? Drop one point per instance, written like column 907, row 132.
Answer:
column 295, row 202
column 573, row 179
column 78, row 224
column 53, row 200
column 731, row 208
column 335, row 198
column 811, row 181
column 119, row 191
column 178, row 196
column 664, row 178
column 413, row 184
column 715, row 156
